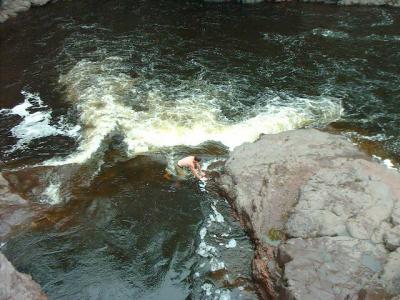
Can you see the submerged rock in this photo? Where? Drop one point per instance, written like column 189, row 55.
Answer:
column 16, row 285
column 325, row 217
column 15, row 211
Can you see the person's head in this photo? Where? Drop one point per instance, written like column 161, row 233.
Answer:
column 198, row 159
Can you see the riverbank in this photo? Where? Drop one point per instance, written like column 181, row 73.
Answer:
column 10, row 8
column 325, row 218
column 395, row 3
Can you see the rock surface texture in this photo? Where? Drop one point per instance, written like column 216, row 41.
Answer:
column 10, row 8
column 15, row 285
column 14, row 210
column 324, row 216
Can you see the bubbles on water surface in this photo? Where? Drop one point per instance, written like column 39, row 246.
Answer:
column 36, row 121
column 223, row 255
column 151, row 115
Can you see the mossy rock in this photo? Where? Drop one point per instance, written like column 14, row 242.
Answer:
column 276, row 234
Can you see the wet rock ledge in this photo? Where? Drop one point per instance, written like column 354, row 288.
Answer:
column 15, row 285
column 325, row 217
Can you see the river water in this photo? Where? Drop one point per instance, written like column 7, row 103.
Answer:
column 99, row 99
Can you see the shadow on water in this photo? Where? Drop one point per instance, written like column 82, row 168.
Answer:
column 126, row 235
column 131, row 233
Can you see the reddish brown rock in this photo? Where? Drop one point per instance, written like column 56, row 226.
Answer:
column 14, row 210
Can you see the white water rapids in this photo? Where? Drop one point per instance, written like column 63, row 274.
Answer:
column 105, row 101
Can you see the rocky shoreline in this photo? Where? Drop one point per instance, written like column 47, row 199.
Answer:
column 16, row 285
column 325, row 218
column 394, row 3
column 16, row 213
column 10, row 8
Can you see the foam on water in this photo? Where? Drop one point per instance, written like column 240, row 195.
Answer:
column 231, row 244
column 330, row 33
column 207, row 287
column 382, row 38
column 95, row 96
column 205, row 250
column 35, row 123
column 214, row 256
column 108, row 100
column 217, row 215
column 378, row 137
column 225, row 295
column 386, row 162
column 52, row 194
column 385, row 20
column 216, row 265
column 203, row 232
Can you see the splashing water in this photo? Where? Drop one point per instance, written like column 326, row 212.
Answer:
column 36, row 121
column 108, row 100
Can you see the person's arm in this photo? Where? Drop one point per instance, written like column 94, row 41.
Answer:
column 194, row 171
column 199, row 169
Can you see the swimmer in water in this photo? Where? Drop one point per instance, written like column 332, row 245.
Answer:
column 193, row 163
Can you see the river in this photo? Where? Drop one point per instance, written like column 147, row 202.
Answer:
column 99, row 99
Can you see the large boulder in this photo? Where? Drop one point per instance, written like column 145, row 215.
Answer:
column 10, row 8
column 266, row 176
column 325, row 268
column 351, row 198
column 331, row 211
column 15, row 285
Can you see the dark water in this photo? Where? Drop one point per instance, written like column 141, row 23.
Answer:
column 133, row 235
column 100, row 98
